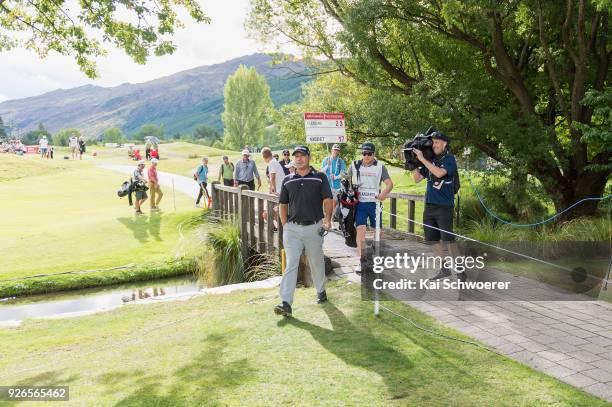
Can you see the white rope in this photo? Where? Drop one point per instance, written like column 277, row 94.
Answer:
column 483, row 243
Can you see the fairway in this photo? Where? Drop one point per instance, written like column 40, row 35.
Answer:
column 65, row 216
column 231, row 350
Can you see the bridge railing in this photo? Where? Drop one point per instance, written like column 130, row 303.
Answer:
column 254, row 212
column 410, row 217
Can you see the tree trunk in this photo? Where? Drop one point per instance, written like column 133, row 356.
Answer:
column 588, row 184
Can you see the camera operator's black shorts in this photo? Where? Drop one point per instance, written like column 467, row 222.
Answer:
column 441, row 217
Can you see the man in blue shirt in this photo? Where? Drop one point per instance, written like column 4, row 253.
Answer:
column 201, row 176
column 333, row 166
column 439, row 199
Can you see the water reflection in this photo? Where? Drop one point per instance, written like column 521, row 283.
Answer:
column 92, row 300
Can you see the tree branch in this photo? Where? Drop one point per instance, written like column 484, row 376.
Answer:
column 550, row 65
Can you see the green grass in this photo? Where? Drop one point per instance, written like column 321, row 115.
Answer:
column 74, row 281
column 231, row 350
column 14, row 167
column 69, row 220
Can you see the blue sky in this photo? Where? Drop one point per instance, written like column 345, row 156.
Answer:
column 198, row 44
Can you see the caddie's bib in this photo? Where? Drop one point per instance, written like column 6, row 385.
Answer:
column 368, row 182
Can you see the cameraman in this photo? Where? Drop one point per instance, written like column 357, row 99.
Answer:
column 439, row 199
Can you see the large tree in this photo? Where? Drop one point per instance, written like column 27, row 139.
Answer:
column 247, row 107
column 33, row 136
column 149, row 130
column 79, row 28
column 62, row 137
column 113, row 135
column 3, row 133
column 525, row 82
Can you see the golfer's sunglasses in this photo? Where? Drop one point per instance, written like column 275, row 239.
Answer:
column 366, row 153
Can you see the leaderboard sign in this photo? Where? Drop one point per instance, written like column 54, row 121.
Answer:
column 324, row 127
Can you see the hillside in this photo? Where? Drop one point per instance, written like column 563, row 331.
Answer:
column 179, row 102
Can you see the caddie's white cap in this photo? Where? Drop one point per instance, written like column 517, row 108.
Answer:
column 154, row 160
column 245, row 151
column 141, row 162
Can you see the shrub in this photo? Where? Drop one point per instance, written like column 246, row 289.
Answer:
column 221, row 262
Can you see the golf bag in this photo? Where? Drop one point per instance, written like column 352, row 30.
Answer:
column 129, row 187
column 347, row 198
column 126, row 189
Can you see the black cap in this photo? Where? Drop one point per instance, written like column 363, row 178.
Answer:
column 440, row 136
column 368, row 147
column 285, row 151
column 301, row 149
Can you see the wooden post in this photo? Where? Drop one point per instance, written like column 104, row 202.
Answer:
column 411, row 210
column 393, row 216
column 244, row 219
column 252, row 219
column 261, row 244
column 270, row 235
column 215, row 196
column 232, row 205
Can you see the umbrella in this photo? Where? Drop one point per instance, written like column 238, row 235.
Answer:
column 152, row 139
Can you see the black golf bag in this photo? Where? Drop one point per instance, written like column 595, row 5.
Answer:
column 129, row 187
column 345, row 210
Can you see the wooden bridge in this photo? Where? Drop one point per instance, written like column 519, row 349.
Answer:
column 254, row 211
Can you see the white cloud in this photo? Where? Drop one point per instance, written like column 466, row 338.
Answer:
column 24, row 74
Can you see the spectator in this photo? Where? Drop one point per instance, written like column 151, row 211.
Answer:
column 156, row 192
column 275, row 170
column 226, row 172
column 333, row 166
column 148, row 146
column 140, row 185
column 43, row 144
column 73, row 143
column 285, row 161
column 246, row 171
column 81, row 141
column 290, row 167
column 201, row 176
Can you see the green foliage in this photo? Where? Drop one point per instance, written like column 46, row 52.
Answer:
column 206, row 135
column 576, row 230
column 62, row 137
column 33, row 136
column 149, row 129
column 598, row 134
column 139, row 28
column 506, row 79
column 222, row 263
column 113, row 135
column 3, row 133
column 247, row 108
column 64, row 282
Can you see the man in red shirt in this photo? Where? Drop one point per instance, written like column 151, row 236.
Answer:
column 156, row 192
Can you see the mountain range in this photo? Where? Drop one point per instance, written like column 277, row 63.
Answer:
column 180, row 102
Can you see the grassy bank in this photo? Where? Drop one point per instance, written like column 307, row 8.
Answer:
column 73, row 281
column 231, row 350
column 63, row 216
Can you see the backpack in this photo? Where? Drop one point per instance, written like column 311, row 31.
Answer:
column 456, row 182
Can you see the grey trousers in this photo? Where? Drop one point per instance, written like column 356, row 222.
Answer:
column 295, row 239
